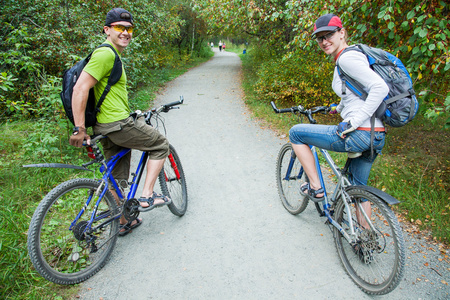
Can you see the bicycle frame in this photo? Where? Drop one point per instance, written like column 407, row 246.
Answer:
column 108, row 178
column 339, row 191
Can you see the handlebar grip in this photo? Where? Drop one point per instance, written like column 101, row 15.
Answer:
column 275, row 109
column 320, row 108
column 286, row 110
column 175, row 103
column 280, row 111
column 172, row 104
column 94, row 138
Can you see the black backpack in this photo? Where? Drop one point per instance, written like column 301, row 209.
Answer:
column 70, row 78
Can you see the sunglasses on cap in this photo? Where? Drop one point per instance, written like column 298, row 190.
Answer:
column 327, row 36
column 125, row 16
column 121, row 28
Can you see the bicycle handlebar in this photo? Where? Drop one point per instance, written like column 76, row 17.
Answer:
column 163, row 108
column 169, row 105
column 300, row 109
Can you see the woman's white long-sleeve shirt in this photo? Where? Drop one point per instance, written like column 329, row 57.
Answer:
column 351, row 107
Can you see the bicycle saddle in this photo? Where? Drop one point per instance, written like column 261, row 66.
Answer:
column 354, row 154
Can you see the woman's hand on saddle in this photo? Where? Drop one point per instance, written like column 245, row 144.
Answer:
column 344, row 128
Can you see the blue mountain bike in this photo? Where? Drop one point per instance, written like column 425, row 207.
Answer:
column 74, row 229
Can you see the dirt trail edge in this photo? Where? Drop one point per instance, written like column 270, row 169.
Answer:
column 236, row 240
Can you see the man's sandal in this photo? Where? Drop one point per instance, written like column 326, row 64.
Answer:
column 311, row 193
column 126, row 228
column 151, row 201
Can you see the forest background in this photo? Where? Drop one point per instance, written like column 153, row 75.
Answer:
column 282, row 63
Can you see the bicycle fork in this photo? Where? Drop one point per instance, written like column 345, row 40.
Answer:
column 175, row 169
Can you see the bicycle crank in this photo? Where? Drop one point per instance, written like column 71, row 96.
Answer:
column 130, row 209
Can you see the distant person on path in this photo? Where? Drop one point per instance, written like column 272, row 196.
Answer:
column 212, row 45
column 223, row 46
column 353, row 134
column 220, row 46
column 114, row 120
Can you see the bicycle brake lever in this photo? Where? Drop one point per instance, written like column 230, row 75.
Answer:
column 88, row 163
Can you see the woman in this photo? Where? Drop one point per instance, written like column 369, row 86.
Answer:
column 353, row 134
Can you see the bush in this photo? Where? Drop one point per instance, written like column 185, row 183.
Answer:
column 301, row 77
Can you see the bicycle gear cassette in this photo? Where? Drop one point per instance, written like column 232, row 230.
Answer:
column 130, row 209
column 78, row 230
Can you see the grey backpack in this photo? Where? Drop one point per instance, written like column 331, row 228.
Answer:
column 401, row 105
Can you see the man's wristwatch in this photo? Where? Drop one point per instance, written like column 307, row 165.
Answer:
column 76, row 130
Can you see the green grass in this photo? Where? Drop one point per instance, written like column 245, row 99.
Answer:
column 21, row 189
column 414, row 167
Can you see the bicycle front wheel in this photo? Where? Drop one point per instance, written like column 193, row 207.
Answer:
column 68, row 252
column 375, row 259
column 290, row 176
column 173, row 183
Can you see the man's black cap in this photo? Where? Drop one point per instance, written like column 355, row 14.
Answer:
column 118, row 15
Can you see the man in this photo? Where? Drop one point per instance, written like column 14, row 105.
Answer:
column 114, row 119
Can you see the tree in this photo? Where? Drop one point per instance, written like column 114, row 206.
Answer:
column 417, row 31
column 43, row 38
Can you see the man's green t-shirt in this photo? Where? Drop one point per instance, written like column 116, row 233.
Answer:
column 115, row 106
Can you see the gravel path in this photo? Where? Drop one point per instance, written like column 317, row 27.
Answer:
column 236, row 241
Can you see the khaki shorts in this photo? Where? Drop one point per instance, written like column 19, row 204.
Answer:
column 134, row 134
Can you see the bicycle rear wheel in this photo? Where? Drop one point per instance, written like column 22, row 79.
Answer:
column 173, row 183
column 66, row 255
column 375, row 262
column 290, row 176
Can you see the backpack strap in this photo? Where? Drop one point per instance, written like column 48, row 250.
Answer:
column 372, row 135
column 347, row 81
column 357, row 89
column 114, row 77
column 410, row 92
column 353, row 85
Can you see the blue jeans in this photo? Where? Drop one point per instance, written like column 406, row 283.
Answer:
column 325, row 137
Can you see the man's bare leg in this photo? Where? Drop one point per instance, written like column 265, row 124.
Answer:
column 153, row 169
